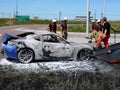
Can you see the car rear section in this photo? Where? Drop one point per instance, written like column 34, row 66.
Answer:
column 8, row 47
column 14, row 47
column 10, row 51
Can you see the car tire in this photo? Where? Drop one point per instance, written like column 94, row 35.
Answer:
column 85, row 55
column 25, row 55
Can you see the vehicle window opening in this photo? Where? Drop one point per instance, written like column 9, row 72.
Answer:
column 50, row 38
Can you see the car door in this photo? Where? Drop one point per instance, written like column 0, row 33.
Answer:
column 53, row 47
column 36, row 44
column 68, row 48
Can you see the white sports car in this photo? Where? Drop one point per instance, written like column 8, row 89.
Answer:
column 30, row 46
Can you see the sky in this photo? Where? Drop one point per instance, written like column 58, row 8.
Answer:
column 49, row 9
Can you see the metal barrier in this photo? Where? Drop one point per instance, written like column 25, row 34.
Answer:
column 115, row 31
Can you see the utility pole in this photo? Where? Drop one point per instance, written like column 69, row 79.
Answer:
column 87, row 19
column 104, row 8
column 16, row 7
column 95, row 15
column 101, row 15
column 60, row 15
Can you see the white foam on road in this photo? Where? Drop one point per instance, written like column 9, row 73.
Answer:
column 50, row 66
column 58, row 66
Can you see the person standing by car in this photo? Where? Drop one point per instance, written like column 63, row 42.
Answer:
column 93, row 32
column 53, row 26
column 105, row 35
column 99, row 28
column 63, row 28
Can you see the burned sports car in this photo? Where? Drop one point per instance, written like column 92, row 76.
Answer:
column 30, row 46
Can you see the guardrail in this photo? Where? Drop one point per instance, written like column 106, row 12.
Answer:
column 115, row 31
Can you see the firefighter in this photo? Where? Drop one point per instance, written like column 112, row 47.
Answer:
column 53, row 26
column 99, row 29
column 93, row 32
column 105, row 35
column 63, row 28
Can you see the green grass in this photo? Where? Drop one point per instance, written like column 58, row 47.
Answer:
column 3, row 22
column 73, row 26
column 76, row 28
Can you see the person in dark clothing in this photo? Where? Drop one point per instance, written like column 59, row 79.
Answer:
column 99, row 29
column 93, row 25
column 105, row 35
column 64, row 32
column 53, row 26
column 93, row 32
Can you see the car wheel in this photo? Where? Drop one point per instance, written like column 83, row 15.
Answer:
column 85, row 54
column 25, row 55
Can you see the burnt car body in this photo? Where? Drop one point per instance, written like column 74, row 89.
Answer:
column 30, row 46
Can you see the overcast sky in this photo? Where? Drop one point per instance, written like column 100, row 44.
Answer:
column 49, row 9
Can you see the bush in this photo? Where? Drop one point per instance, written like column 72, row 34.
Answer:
column 61, row 80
